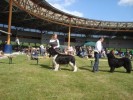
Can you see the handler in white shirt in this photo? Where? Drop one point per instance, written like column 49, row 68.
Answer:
column 54, row 42
column 97, row 51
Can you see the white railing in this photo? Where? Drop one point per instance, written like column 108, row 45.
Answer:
column 5, row 32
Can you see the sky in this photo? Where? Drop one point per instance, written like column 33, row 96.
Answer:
column 106, row 10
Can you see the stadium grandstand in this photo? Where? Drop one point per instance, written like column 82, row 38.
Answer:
column 33, row 21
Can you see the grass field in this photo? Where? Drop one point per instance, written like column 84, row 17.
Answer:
column 24, row 80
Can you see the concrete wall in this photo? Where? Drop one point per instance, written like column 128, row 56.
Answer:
column 120, row 43
column 33, row 37
column 30, row 37
column 108, row 43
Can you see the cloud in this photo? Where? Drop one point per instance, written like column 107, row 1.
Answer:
column 126, row 2
column 63, row 4
column 69, row 2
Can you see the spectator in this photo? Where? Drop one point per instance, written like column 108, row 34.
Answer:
column 17, row 43
column 70, row 50
column 42, row 49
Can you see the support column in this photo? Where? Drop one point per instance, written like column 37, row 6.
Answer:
column 69, row 36
column 69, row 32
column 9, row 21
column 8, row 47
column 41, row 37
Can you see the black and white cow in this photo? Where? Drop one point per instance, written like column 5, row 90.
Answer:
column 58, row 59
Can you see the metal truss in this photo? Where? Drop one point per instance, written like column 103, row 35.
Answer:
column 33, row 7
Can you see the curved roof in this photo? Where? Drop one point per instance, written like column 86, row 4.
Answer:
column 39, row 14
column 45, row 4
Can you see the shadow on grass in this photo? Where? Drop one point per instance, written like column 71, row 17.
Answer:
column 2, row 62
column 101, row 70
column 112, row 72
column 6, row 63
column 89, row 68
column 85, row 68
column 106, row 71
column 45, row 66
column 65, row 69
column 50, row 67
column 120, row 72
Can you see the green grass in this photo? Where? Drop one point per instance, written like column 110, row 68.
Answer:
column 24, row 80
